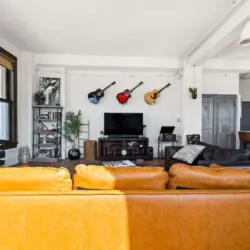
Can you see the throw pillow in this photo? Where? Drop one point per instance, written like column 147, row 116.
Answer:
column 189, row 153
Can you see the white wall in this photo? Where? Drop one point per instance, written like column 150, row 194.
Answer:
column 245, row 90
column 26, row 73
column 191, row 111
column 9, row 47
column 165, row 112
column 220, row 83
column 101, row 70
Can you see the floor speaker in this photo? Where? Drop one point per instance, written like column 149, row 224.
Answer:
column 150, row 153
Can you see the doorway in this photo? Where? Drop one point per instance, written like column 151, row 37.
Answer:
column 219, row 120
column 245, row 116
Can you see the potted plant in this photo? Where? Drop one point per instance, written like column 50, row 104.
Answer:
column 193, row 91
column 72, row 128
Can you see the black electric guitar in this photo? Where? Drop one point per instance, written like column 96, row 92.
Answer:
column 95, row 96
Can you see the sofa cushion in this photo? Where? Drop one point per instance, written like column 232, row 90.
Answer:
column 223, row 154
column 208, row 152
column 181, row 175
column 215, row 166
column 34, row 178
column 122, row 178
column 189, row 153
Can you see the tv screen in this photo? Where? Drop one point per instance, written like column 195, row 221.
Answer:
column 123, row 124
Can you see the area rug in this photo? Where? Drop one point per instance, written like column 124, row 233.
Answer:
column 124, row 163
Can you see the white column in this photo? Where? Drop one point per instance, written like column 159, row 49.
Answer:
column 24, row 103
column 191, row 109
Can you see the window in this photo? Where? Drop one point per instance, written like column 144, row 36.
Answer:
column 8, row 100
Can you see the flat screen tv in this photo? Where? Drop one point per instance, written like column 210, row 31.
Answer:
column 123, row 124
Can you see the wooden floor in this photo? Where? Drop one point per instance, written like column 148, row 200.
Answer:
column 70, row 165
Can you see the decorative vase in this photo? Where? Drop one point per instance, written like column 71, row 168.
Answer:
column 124, row 152
column 194, row 96
column 74, row 154
column 24, row 155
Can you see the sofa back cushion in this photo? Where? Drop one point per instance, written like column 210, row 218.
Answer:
column 34, row 178
column 198, row 177
column 122, row 178
column 231, row 155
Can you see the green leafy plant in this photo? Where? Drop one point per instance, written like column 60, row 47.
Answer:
column 193, row 90
column 72, row 127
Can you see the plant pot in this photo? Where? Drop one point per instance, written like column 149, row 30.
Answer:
column 194, row 96
column 74, row 154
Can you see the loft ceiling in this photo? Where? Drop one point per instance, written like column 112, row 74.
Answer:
column 235, row 51
column 138, row 28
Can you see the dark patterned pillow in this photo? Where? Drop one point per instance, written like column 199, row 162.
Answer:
column 189, row 153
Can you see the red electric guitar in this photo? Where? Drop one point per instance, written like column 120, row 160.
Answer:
column 126, row 94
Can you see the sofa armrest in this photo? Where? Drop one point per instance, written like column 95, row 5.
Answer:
column 169, row 152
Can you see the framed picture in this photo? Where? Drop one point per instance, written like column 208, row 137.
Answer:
column 50, row 87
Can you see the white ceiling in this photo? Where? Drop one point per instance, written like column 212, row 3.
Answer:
column 154, row 28
column 235, row 51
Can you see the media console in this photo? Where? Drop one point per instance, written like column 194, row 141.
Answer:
column 122, row 148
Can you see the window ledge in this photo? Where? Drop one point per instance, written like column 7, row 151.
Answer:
column 7, row 145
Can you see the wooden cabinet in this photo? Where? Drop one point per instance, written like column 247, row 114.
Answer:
column 123, row 148
column 90, row 150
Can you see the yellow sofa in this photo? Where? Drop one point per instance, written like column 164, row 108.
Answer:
column 131, row 220
column 65, row 219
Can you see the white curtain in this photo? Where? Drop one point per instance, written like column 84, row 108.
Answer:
column 3, row 108
column 2, row 82
column 4, row 121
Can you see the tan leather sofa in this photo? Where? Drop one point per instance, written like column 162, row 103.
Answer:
column 123, row 220
column 131, row 220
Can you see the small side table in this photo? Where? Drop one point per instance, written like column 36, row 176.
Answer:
column 90, row 150
column 160, row 142
column 244, row 137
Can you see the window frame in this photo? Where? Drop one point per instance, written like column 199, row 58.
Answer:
column 11, row 99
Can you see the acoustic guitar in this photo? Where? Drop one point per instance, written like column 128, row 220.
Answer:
column 95, row 96
column 126, row 94
column 152, row 96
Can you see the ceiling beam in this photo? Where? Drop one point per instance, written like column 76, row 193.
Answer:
column 224, row 33
column 225, row 65
column 105, row 62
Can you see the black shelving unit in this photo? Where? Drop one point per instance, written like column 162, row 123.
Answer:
column 47, row 133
